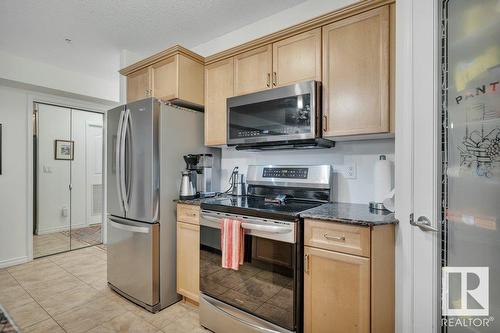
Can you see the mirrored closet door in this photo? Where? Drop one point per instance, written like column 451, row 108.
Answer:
column 68, row 178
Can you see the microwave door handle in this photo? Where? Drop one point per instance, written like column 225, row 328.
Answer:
column 272, row 229
column 122, row 160
column 118, row 159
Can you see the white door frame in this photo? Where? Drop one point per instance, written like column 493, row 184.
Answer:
column 33, row 97
column 417, row 165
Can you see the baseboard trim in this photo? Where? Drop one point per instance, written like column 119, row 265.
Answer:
column 44, row 231
column 13, row 261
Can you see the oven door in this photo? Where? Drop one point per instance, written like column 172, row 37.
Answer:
column 280, row 114
column 265, row 286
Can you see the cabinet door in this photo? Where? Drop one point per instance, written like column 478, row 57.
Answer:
column 165, row 78
column 252, row 70
column 188, row 260
column 336, row 292
column 356, row 74
column 297, row 58
column 218, row 87
column 138, row 85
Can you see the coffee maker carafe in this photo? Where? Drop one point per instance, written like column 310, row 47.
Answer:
column 200, row 168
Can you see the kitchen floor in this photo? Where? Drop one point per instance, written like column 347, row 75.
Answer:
column 68, row 292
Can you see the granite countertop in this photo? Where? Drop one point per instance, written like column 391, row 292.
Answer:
column 194, row 202
column 349, row 213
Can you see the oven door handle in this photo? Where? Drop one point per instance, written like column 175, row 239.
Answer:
column 273, row 229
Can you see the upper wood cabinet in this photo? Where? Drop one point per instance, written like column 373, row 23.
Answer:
column 219, row 79
column 356, row 74
column 175, row 74
column 336, row 292
column 252, row 70
column 297, row 58
column 139, row 84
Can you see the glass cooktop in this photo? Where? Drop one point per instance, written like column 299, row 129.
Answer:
column 258, row 206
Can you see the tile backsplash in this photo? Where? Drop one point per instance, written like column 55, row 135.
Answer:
column 352, row 162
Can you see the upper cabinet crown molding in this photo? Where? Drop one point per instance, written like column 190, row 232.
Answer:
column 176, row 49
column 339, row 14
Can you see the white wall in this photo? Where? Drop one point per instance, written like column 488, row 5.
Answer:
column 16, row 180
column 13, row 182
column 361, row 154
column 39, row 74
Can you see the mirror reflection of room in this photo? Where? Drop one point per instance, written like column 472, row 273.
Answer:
column 68, row 165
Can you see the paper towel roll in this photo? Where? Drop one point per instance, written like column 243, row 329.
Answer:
column 382, row 179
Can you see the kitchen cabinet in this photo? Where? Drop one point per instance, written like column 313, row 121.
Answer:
column 252, row 70
column 139, row 85
column 356, row 75
column 336, row 292
column 188, row 252
column 175, row 74
column 219, row 81
column 297, row 58
column 348, row 278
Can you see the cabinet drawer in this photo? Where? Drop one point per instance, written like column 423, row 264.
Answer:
column 337, row 237
column 188, row 213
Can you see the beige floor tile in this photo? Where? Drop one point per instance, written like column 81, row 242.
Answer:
column 66, row 300
column 28, row 314
column 165, row 317
column 6, row 280
column 89, row 315
column 45, row 289
column 43, row 271
column 14, row 296
column 46, row 326
column 127, row 322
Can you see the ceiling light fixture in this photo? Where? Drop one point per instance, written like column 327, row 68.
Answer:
column 67, row 40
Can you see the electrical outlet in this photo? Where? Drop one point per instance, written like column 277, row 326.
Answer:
column 350, row 171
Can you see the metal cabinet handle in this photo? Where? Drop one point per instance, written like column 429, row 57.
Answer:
column 325, row 123
column 268, row 84
column 306, row 263
column 275, row 79
column 335, row 238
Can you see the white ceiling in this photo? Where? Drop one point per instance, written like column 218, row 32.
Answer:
column 100, row 29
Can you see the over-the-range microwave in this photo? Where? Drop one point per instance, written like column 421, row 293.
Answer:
column 279, row 118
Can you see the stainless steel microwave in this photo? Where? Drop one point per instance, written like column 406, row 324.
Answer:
column 284, row 117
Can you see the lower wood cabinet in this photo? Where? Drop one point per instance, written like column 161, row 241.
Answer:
column 188, row 253
column 336, row 292
column 348, row 289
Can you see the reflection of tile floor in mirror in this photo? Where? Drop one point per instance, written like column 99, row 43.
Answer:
column 267, row 294
column 59, row 241
column 68, row 292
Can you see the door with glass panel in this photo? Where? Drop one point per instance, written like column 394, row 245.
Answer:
column 68, row 184
column 471, row 166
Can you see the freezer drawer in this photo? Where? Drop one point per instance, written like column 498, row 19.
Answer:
column 133, row 259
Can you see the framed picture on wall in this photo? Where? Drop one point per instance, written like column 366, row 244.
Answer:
column 64, row 150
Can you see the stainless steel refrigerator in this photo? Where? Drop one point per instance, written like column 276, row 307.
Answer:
column 471, row 155
column 146, row 141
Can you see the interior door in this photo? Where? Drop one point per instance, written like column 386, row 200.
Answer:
column 53, row 177
column 94, row 163
column 417, row 167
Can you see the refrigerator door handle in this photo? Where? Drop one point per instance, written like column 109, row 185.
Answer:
column 123, row 185
column 130, row 228
column 118, row 159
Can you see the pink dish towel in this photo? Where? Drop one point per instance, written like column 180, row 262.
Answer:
column 232, row 240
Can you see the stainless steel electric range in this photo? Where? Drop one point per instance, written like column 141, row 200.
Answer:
column 265, row 294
